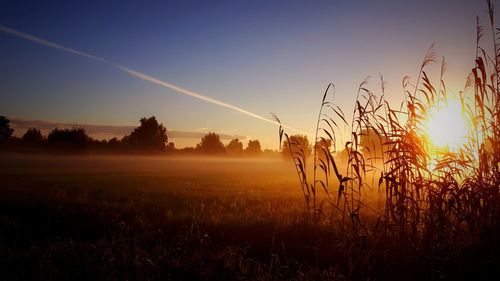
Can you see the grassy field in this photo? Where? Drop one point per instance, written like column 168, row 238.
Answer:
column 167, row 218
column 152, row 217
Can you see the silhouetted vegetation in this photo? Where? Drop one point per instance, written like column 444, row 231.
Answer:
column 150, row 135
column 235, row 147
column 75, row 139
column 5, row 130
column 374, row 205
column 253, row 148
column 373, row 145
column 435, row 210
column 33, row 137
column 211, row 144
column 297, row 144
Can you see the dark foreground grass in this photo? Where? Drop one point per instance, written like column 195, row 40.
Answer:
column 154, row 218
column 149, row 218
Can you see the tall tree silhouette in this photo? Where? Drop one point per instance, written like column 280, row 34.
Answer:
column 5, row 130
column 149, row 135
column 235, row 147
column 253, row 147
column 211, row 144
column 32, row 136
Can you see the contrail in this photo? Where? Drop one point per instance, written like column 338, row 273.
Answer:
column 138, row 74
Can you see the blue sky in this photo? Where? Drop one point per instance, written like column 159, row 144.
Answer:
column 263, row 56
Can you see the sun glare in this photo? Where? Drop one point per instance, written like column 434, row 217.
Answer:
column 446, row 126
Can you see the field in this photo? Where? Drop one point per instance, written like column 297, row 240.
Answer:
column 402, row 185
column 146, row 217
column 157, row 217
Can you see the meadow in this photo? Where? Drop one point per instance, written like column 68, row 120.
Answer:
column 192, row 218
column 390, row 192
column 148, row 217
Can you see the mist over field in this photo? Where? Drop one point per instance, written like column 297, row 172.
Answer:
column 250, row 140
column 57, row 210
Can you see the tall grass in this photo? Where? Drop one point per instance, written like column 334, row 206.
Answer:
column 430, row 203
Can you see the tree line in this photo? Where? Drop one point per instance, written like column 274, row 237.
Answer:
column 149, row 136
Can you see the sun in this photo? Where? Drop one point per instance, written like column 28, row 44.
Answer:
column 446, row 127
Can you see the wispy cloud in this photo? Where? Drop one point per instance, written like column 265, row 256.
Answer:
column 20, row 125
column 138, row 74
column 47, row 43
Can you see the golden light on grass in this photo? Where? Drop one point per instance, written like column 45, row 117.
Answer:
column 446, row 127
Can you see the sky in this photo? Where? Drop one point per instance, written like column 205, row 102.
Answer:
column 253, row 56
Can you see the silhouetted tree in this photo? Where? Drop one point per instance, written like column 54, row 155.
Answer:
column 211, row 144
column 5, row 130
column 75, row 139
column 99, row 144
column 171, row 147
column 235, row 147
column 297, row 141
column 149, row 135
column 321, row 147
column 253, row 147
column 115, row 143
column 188, row 150
column 33, row 136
